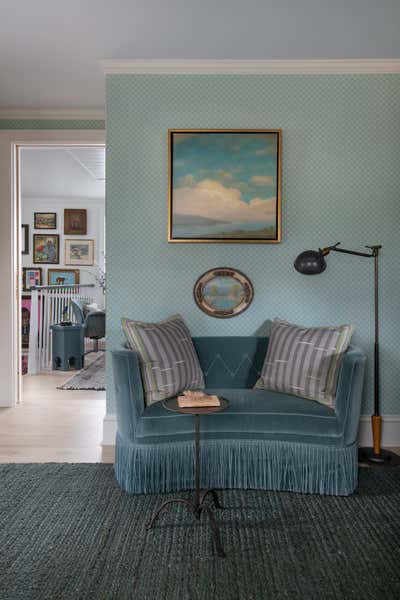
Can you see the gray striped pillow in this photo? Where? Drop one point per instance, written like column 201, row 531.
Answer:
column 305, row 361
column 168, row 359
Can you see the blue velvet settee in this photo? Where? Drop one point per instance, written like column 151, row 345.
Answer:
column 262, row 440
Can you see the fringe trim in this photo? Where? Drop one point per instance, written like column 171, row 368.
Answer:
column 240, row 464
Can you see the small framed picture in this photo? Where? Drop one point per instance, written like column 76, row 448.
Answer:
column 46, row 249
column 75, row 221
column 62, row 276
column 45, row 220
column 79, row 252
column 31, row 276
column 25, row 320
column 24, row 239
column 223, row 292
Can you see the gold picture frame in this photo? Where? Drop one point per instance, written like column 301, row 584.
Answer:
column 211, row 204
column 63, row 276
column 75, row 221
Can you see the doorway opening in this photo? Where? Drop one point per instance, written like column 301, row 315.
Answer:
column 61, row 272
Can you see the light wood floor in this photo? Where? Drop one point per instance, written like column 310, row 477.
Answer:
column 53, row 425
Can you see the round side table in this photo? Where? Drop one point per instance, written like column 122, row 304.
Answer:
column 198, row 505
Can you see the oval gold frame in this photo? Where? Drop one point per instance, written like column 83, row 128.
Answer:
column 206, row 277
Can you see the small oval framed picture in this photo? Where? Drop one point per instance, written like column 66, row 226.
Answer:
column 223, row 292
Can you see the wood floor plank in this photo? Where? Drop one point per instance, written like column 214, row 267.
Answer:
column 52, row 425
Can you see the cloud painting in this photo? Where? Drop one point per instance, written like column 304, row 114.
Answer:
column 224, row 186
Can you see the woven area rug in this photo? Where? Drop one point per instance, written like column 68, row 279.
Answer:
column 92, row 377
column 68, row 532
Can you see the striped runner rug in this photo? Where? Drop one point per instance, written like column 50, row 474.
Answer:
column 91, row 377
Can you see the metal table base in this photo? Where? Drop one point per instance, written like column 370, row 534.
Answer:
column 199, row 505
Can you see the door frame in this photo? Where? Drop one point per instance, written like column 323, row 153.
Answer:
column 10, row 142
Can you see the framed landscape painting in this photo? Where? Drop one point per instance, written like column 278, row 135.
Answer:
column 62, row 276
column 224, row 186
column 79, row 252
column 45, row 220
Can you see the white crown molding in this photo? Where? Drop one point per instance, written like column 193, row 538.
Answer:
column 390, row 431
column 53, row 114
column 247, row 67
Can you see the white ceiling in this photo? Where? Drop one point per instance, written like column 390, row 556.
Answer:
column 63, row 173
column 49, row 50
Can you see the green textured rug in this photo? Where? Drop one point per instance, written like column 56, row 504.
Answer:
column 69, row 532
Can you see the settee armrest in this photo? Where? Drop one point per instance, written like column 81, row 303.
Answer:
column 128, row 391
column 349, row 393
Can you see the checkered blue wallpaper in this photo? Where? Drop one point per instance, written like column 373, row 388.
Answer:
column 341, row 182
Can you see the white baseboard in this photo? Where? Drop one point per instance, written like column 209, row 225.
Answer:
column 109, row 430
column 390, row 431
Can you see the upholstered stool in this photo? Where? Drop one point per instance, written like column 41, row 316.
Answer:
column 67, row 347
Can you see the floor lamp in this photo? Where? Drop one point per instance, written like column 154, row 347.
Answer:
column 312, row 262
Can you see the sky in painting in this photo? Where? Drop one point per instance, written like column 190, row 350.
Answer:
column 224, row 182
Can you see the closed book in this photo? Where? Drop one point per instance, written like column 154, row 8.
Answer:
column 205, row 400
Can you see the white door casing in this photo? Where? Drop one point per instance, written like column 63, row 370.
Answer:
column 9, row 141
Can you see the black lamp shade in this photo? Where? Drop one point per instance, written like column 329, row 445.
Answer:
column 310, row 262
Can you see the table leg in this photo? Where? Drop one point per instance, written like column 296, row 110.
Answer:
column 214, row 495
column 155, row 516
column 198, row 506
column 197, row 463
column 215, row 530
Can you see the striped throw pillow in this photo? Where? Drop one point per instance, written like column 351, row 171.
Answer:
column 167, row 356
column 305, row 361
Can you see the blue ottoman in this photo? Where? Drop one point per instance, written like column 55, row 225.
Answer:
column 67, row 347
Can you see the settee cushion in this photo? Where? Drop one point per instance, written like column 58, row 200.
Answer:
column 252, row 414
column 305, row 361
column 168, row 359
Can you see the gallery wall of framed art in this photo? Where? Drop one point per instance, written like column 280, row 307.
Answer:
column 47, row 257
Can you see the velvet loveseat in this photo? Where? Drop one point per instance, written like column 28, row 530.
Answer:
column 264, row 439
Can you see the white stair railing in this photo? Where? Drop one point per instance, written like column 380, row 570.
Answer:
column 47, row 308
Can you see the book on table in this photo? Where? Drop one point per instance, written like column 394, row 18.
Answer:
column 191, row 398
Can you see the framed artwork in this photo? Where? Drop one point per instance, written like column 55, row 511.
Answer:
column 223, row 292
column 26, row 303
column 24, row 363
column 75, row 221
column 62, row 276
column 224, row 186
column 31, row 276
column 45, row 220
column 79, row 252
column 25, row 320
column 24, row 239
column 46, row 248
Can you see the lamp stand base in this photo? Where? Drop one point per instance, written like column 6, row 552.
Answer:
column 385, row 458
